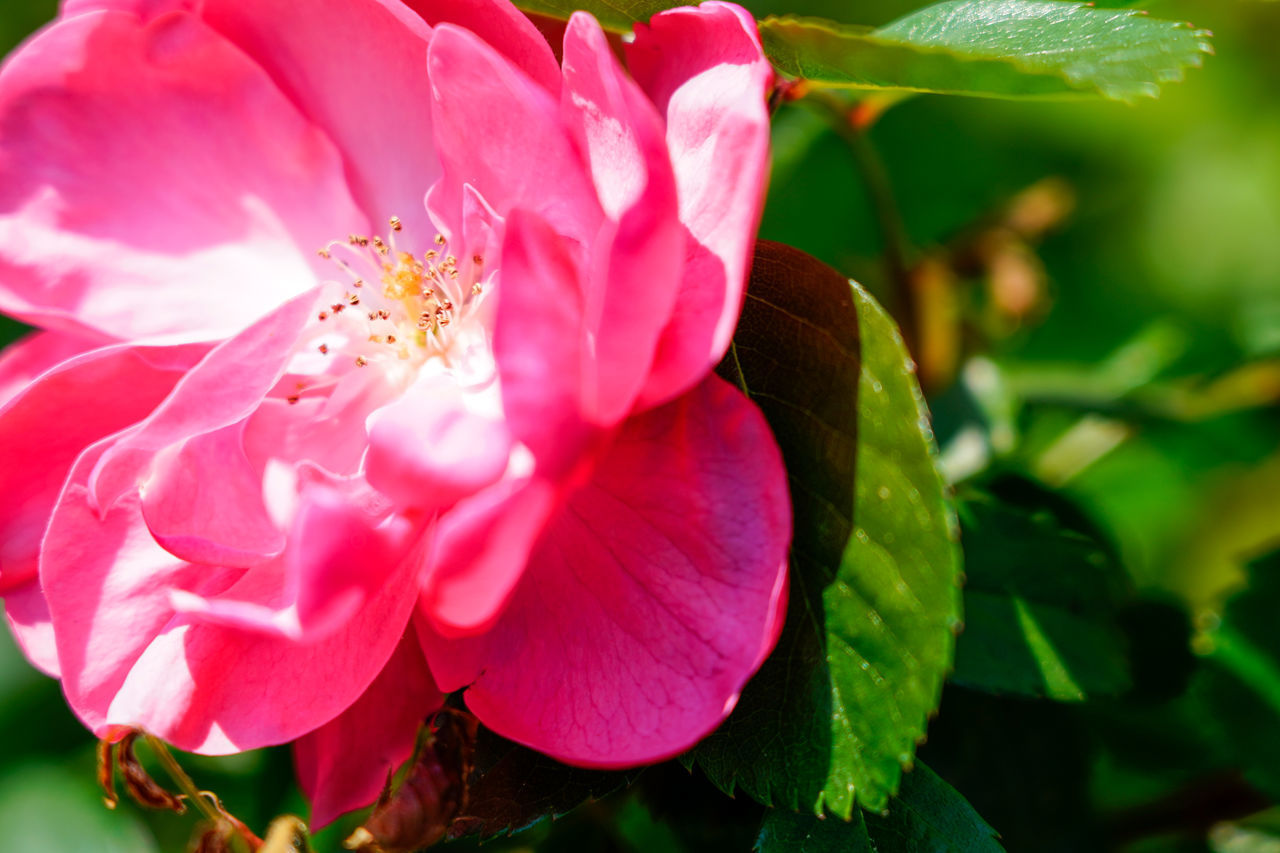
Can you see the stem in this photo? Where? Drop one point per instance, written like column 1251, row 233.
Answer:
column 188, row 787
column 893, row 234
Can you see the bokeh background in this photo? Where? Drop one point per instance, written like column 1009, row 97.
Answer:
column 1097, row 310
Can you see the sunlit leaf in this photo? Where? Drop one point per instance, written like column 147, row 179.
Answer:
column 836, row 712
column 1000, row 48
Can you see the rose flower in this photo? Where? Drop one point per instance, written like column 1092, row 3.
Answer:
column 374, row 362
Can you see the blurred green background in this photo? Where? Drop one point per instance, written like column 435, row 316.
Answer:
column 1097, row 292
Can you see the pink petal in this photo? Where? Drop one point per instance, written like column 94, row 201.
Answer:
column 129, row 659
column 705, row 70
column 344, row 764
column 214, row 181
column 339, row 557
column 499, row 131
column 146, row 9
column 357, row 69
column 203, row 502
column 27, row 613
column 650, row 600
column 481, row 547
column 46, row 426
column 223, row 389
column 503, row 27
column 24, row 360
column 539, row 343
column 638, row 260
column 326, row 431
column 427, row 451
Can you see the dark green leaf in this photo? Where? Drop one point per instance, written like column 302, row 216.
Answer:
column 929, row 816
column 794, row 832
column 999, row 48
column 514, row 787
column 1242, row 678
column 836, row 712
column 1040, row 606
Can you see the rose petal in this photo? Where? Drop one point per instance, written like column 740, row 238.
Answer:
column 129, row 659
column 223, row 389
column 356, row 68
column 481, row 547
column 637, row 262
column 499, row 131
column 705, row 70
column 46, row 426
column 214, row 181
column 203, row 502
column 27, row 613
column 539, row 344
column 344, row 764
column 501, row 26
column 649, row 601
column 25, row 359
column 428, row 451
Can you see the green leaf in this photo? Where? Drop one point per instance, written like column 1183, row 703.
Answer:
column 514, row 787
column 615, row 15
column 987, row 48
column 793, row 832
column 1241, row 682
column 993, row 48
column 927, row 816
column 1040, row 606
column 836, row 712
column 930, row 816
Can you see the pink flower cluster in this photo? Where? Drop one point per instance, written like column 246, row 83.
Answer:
column 375, row 361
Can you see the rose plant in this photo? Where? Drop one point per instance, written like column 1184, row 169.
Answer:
column 374, row 362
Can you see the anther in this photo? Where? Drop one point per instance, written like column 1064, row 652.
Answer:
column 353, row 299
column 324, row 253
column 396, row 225
column 476, row 289
column 439, row 239
column 391, row 339
column 324, row 315
column 477, row 260
column 324, row 349
column 358, row 283
column 293, row 400
column 337, row 307
column 361, row 361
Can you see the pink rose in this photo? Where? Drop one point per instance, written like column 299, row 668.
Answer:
column 254, row 493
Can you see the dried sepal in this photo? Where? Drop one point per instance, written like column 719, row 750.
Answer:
column 418, row 813
column 138, row 782
column 107, row 774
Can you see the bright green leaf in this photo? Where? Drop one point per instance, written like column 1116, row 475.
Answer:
column 836, row 712
column 1040, row 606
column 988, row 48
column 994, row 48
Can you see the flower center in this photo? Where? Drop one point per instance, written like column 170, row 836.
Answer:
column 412, row 305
